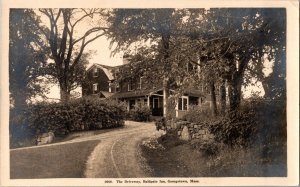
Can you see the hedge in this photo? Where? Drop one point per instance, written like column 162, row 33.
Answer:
column 78, row 115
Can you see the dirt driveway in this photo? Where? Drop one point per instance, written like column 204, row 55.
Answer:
column 117, row 154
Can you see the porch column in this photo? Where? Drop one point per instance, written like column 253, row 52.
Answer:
column 148, row 101
column 128, row 105
column 176, row 108
column 199, row 101
column 109, row 86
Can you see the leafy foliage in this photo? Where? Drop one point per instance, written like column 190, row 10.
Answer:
column 257, row 122
column 161, row 124
column 236, row 128
column 27, row 56
column 140, row 113
column 78, row 115
column 209, row 149
column 67, row 46
column 197, row 114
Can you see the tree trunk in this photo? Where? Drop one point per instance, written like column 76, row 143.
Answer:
column 223, row 97
column 165, row 43
column 235, row 87
column 165, row 97
column 213, row 99
column 64, row 92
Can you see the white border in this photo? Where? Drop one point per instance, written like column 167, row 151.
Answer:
column 292, row 7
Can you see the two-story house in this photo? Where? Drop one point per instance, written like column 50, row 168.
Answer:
column 101, row 82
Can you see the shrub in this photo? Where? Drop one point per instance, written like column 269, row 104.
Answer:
column 19, row 131
column 81, row 114
column 197, row 114
column 161, row 124
column 270, row 116
column 235, row 129
column 140, row 113
column 208, row 148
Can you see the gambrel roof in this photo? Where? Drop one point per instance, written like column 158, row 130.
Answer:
column 108, row 70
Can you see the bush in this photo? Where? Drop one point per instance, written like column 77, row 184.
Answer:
column 161, row 124
column 197, row 114
column 256, row 121
column 271, row 118
column 140, row 113
column 235, row 129
column 208, row 148
column 19, row 132
column 81, row 114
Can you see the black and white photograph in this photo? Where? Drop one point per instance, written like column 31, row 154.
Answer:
column 150, row 96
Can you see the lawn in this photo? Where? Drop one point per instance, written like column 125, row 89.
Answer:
column 57, row 161
column 170, row 157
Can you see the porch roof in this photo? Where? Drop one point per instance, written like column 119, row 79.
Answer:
column 136, row 93
column 149, row 92
column 195, row 93
column 106, row 94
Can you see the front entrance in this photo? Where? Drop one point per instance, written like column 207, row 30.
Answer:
column 157, row 109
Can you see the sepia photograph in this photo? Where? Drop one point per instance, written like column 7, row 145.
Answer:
column 149, row 96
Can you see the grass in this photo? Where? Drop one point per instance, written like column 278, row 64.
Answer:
column 59, row 161
column 181, row 159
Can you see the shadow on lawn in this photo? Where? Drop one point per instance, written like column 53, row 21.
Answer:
column 59, row 161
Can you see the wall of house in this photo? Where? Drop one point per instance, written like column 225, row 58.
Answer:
column 124, row 85
column 101, row 79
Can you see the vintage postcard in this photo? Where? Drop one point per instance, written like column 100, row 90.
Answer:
column 139, row 93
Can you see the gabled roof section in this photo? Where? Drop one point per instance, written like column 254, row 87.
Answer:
column 108, row 70
column 106, row 94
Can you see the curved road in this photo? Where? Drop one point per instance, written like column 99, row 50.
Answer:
column 118, row 155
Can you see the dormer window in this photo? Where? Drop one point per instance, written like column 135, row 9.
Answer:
column 95, row 88
column 95, row 72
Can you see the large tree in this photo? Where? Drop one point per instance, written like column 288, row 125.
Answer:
column 221, row 42
column 68, row 33
column 272, row 48
column 27, row 56
column 231, row 41
column 158, row 27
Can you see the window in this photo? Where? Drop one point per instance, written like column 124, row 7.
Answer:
column 155, row 103
column 183, row 103
column 117, row 87
column 95, row 72
column 180, row 104
column 140, row 83
column 95, row 88
column 130, row 85
column 110, row 86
